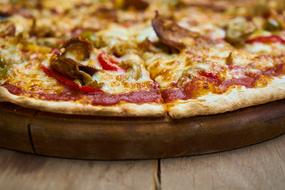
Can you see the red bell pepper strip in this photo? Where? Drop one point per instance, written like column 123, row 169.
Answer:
column 267, row 39
column 69, row 83
column 108, row 63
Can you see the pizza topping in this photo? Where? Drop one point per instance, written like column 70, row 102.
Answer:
column 3, row 69
column 207, row 82
column 96, row 97
column 172, row 94
column 108, row 62
column 68, row 82
column 210, row 77
column 105, row 12
column 275, row 71
column 131, row 64
column 137, row 4
column 13, row 89
column 142, row 96
column 128, row 44
column 68, row 63
column 170, row 33
column 273, row 25
column 74, row 70
column 77, row 49
column 89, row 94
column 4, row 14
column 7, row 28
column 215, row 6
column 267, row 39
column 238, row 29
column 229, row 59
column 245, row 81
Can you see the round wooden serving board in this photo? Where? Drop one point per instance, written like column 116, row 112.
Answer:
column 106, row 138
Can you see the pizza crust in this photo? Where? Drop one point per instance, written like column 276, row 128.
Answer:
column 122, row 109
column 235, row 99
column 206, row 105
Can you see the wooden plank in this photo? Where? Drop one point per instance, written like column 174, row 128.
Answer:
column 29, row 172
column 143, row 138
column 258, row 167
column 14, row 122
column 100, row 138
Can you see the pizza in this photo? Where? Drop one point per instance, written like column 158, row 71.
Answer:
column 176, row 58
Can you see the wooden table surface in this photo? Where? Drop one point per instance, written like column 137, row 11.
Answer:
column 259, row 167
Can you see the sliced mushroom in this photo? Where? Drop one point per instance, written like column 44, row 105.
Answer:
column 77, row 49
column 7, row 28
column 106, row 13
column 73, row 70
column 218, row 6
column 137, row 4
column 170, row 33
column 4, row 14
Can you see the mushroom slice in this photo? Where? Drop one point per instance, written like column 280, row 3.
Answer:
column 107, row 13
column 137, row 4
column 73, row 70
column 218, row 6
column 77, row 49
column 7, row 28
column 170, row 33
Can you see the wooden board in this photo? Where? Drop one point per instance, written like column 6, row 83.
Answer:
column 143, row 138
column 14, row 132
column 29, row 172
column 259, row 167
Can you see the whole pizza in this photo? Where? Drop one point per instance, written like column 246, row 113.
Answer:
column 177, row 58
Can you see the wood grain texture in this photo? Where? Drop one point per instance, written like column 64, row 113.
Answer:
column 29, row 172
column 13, row 127
column 144, row 138
column 259, row 167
